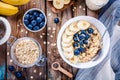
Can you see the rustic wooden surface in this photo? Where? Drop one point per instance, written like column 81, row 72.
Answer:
column 47, row 38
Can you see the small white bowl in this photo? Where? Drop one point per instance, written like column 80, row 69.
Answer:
column 106, row 42
column 36, row 9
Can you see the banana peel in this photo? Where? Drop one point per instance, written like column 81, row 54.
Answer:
column 16, row 2
column 7, row 9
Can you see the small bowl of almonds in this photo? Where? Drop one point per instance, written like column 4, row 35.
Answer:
column 79, row 43
column 26, row 52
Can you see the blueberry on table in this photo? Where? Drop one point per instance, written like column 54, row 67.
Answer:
column 42, row 24
column 81, row 36
column 85, row 41
column 81, row 49
column 81, row 43
column 42, row 16
column 36, row 28
column 56, row 20
column 75, row 44
column 18, row 74
column 30, row 26
column 35, row 13
column 76, row 52
column 27, row 16
column 75, row 39
column 83, row 32
column 39, row 19
column 26, row 22
column 87, row 36
column 90, row 30
column 11, row 68
column 76, row 35
column 33, row 22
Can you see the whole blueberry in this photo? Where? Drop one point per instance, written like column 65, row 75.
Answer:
column 90, row 30
column 42, row 24
column 76, row 52
column 11, row 68
column 32, row 17
column 75, row 44
column 87, row 36
column 75, row 39
column 36, row 28
column 33, row 22
column 26, row 22
column 18, row 74
column 30, row 12
column 85, row 41
column 35, row 13
column 39, row 19
column 76, row 35
column 27, row 16
column 81, row 49
column 81, row 36
column 56, row 20
column 42, row 16
column 81, row 43
column 83, row 32
column 30, row 26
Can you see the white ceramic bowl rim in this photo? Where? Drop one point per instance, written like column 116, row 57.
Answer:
column 13, row 48
column 101, row 28
column 37, row 9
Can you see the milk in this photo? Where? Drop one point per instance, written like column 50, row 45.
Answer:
column 96, row 4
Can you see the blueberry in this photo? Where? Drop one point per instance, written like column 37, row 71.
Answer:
column 81, row 36
column 42, row 16
column 85, row 41
column 76, row 39
column 32, row 17
column 87, row 36
column 81, row 43
column 38, row 19
column 81, row 49
column 90, row 30
column 75, row 44
column 30, row 26
column 42, row 24
column 11, row 68
column 56, row 20
column 18, row 74
column 76, row 35
column 33, row 22
column 36, row 28
column 76, row 52
column 26, row 22
column 36, row 14
column 27, row 16
column 83, row 32
column 30, row 12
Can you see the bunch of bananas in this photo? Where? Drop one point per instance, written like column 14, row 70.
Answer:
column 7, row 8
column 59, row 4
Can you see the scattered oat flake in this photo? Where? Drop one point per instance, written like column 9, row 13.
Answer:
column 80, row 6
column 49, row 14
column 22, row 30
column 48, row 34
column 8, row 53
column 40, row 73
column 11, row 60
column 41, row 36
column 43, row 33
column 53, row 32
column 49, row 52
column 31, row 77
column 49, row 28
column 21, row 24
column 35, row 71
column 75, row 8
column 18, row 25
column 84, row 9
column 34, row 3
column 26, row 32
column 44, row 42
column 48, row 42
column 51, row 36
column 54, row 28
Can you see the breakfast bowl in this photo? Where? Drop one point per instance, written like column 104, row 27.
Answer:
column 26, row 52
column 34, row 20
column 79, row 42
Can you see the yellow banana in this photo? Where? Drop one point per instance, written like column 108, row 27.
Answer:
column 16, row 2
column 7, row 10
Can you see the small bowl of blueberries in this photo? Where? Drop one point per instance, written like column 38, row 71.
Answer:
column 34, row 20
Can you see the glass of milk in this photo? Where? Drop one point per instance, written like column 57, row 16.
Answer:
column 96, row 4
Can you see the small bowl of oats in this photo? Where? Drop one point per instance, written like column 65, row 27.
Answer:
column 79, row 43
column 26, row 52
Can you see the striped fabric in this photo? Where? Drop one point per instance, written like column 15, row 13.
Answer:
column 109, row 18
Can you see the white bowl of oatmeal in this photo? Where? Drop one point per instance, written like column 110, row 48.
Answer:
column 79, row 39
column 26, row 52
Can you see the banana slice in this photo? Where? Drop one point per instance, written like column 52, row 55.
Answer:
column 74, row 59
column 58, row 4
column 66, row 39
column 73, row 27
column 82, row 25
column 67, row 44
column 68, row 55
column 69, row 32
column 66, row 1
column 68, row 49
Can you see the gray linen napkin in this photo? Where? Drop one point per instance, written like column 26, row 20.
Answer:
column 110, row 18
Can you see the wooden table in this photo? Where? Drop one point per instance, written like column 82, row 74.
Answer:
column 47, row 38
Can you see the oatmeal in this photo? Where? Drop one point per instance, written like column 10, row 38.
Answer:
column 80, row 42
column 27, row 52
